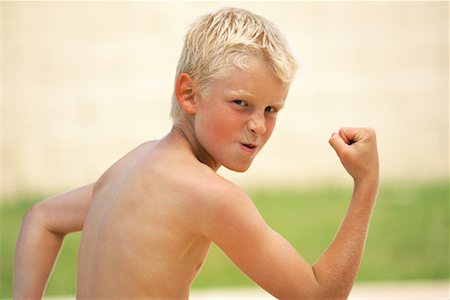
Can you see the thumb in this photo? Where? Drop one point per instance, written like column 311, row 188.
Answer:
column 337, row 143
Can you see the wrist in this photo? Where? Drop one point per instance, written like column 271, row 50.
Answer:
column 371, row 179
column 366, row 188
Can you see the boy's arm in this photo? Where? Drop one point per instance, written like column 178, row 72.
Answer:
column 273, row 263
column 41, row 235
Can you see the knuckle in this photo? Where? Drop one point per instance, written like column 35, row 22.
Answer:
column 370, row 130
column 367, row 131
column 345, row 154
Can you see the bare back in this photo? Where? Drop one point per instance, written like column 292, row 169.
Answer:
column 140, row 238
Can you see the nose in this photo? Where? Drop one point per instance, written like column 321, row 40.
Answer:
column 256, row 125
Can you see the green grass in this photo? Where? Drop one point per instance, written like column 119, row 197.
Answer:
column 408, row 238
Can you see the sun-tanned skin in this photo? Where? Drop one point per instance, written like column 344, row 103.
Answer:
column 149, row 220
column 141, row 236
column 149, row 226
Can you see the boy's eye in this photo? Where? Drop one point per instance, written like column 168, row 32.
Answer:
column 270, row 109
column 240, row 102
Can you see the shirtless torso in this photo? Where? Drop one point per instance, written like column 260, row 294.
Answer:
column 150, row 219
column 141, row 237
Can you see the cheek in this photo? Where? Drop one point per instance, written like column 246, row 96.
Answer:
column 211, row 125
column 270, row 125
column 221, row 119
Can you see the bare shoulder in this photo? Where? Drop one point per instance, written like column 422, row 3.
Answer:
column 125, row 161
column 227, row 206
column 227, row 195
column 218, row 192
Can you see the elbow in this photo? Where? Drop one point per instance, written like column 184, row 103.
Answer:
column 36, row 214
column 336, row 293
column 36, row 218
column 331, row 289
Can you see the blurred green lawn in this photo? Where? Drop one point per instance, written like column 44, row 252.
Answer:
column 408, row 238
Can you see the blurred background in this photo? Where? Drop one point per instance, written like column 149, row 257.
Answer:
column 85, row 82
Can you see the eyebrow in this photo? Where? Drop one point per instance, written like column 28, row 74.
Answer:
column 245, row 93
column 280, row 104
column 241, row 92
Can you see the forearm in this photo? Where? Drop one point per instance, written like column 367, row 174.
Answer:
column 40, row 238
column 337, row 267
column 36, row 251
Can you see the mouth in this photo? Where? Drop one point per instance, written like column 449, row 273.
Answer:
column 249, row 147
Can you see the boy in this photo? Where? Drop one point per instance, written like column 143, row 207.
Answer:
column 149, row 220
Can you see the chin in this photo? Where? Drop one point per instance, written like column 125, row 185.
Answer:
column 238, row 168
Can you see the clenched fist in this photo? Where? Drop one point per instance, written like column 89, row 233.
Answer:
column 357, row 150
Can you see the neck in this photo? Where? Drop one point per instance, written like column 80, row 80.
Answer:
column 184, row 131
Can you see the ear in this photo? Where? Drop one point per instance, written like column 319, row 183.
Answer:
column 184, row 92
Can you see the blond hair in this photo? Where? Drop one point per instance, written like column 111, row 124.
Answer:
column 230, row 36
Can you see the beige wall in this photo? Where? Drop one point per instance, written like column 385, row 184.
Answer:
column 84, row 82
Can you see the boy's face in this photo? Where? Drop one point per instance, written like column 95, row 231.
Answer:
column 237, row 117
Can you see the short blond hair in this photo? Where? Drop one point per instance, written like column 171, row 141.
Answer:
column 227, row 37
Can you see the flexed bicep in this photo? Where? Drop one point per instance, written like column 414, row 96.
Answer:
column 260, row 252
